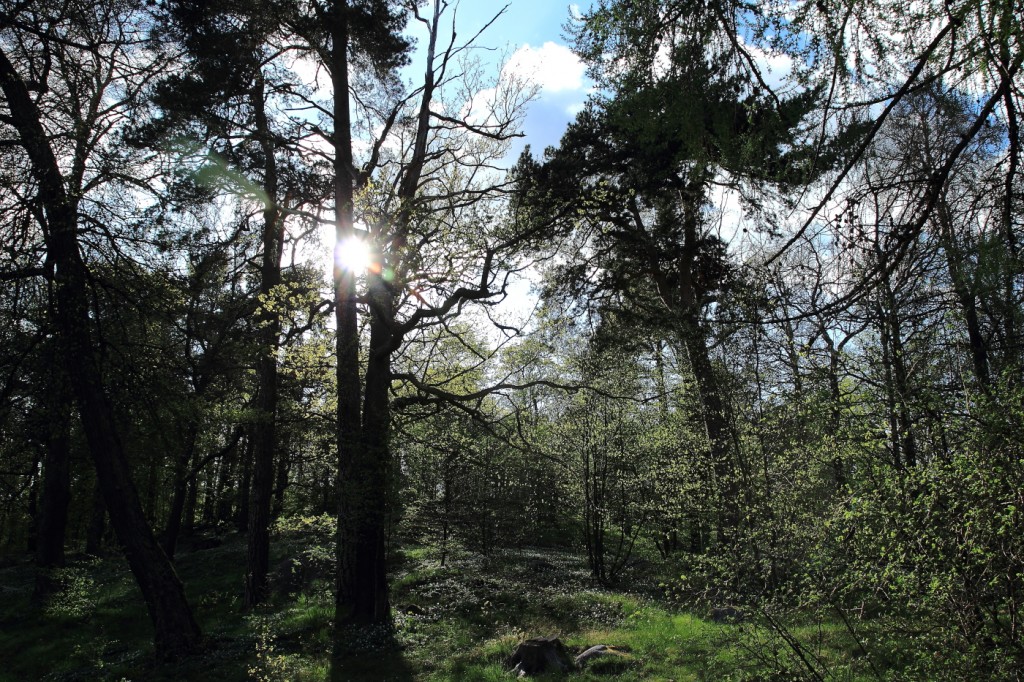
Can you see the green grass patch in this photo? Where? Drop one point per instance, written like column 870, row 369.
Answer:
column 460, row 621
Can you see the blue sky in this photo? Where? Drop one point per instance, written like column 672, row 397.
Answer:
column 531, row 31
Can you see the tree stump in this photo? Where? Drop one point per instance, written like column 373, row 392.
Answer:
column 539, row 655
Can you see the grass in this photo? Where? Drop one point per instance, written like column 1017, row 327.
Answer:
column 456, row 622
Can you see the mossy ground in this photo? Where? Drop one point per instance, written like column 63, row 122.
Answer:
column 456, row 622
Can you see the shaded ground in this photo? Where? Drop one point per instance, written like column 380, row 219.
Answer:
column 457, row 622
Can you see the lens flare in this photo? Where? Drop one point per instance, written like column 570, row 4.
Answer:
column 352, row 254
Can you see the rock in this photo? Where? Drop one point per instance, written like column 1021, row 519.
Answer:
column 599, row 650
column 539, row 655
column 592, row 652
column 727, row 615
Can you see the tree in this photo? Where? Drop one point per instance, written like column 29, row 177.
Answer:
column 232, row 92
column 75, row 58
column 632, row 178
column 606, row 435
column 425, row 196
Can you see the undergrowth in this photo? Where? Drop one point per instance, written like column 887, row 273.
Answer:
column 460, row 621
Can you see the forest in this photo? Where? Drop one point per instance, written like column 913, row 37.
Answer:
column 310, row 369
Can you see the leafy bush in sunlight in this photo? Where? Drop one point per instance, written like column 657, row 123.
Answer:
column 76, row 595
column 311, row 565
column 321, row 527
column 270, row 665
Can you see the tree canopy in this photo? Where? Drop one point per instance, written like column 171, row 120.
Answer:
column 264, row 269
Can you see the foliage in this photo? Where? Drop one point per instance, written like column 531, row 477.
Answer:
column 75, row 597
column 935, row 555
column 775, row 365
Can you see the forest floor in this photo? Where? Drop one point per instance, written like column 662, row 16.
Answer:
column 456, row 622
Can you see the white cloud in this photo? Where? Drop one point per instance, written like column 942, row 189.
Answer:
column 553, row 67
column 480, row 109
column 775, row 67
column 575, row 108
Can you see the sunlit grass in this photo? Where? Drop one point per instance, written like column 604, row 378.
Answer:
column 457, row 622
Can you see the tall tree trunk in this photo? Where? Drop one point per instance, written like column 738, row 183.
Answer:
column 152, row 500
column 351, row 508
column 902, row 376
column 890, row 391
column 265, row 427
column 245, row 485
column 32, row 507
column 372, row 603
column 284, row 462
column 188, row 515
column 176, row 631
column 716, row 424
column 97, row 523
column 682, row 294
column 967, row 298
column 225, row 476
column 898, row 393
column 835, row 404
column 180, row 490
column 1010, row 214
column 56, row 495
column 364, row 455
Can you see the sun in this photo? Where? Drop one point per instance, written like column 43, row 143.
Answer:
column 352, row 254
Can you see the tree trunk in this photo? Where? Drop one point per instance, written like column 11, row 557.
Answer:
column 32, row 508
column 716, row 423
column 265, row 428
column 188, row 516
column 245, row 486
column 281, row 480
column 835, row 405
column 97, row 523
column 176, row 632
column 180, row 490
column 894, row 363
column 225, row 477
column 372, row 604
column 901, row 375
column 1010, row 213
column 352, row 510
column 682, row 296
column 967, row 298
column 56, row 495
